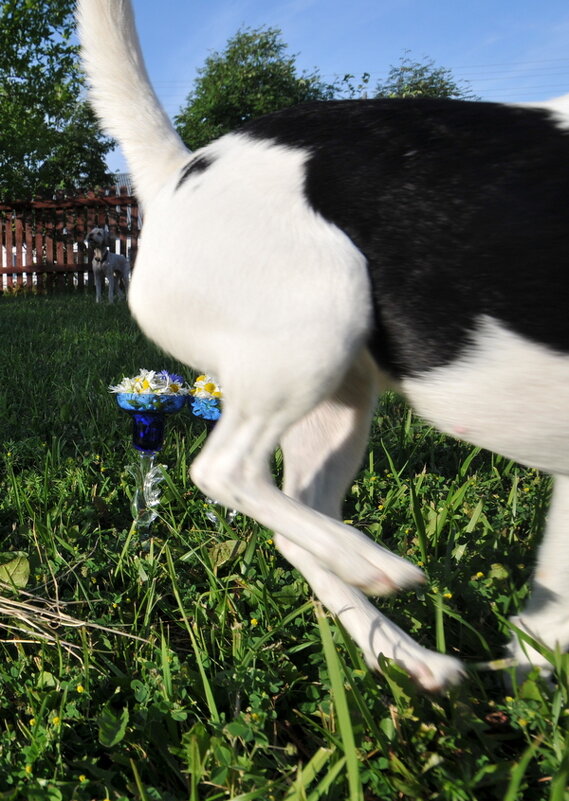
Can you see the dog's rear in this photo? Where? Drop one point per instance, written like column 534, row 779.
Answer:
column 335, row 250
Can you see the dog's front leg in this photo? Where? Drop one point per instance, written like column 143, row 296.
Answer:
column 98, row 284
column 546, row 616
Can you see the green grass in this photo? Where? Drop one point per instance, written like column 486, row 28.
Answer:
column 202, row 668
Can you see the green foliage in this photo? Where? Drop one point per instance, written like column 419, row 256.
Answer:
column 422, row 79
column 202, row 670
column 253, row 76
column 49, row 138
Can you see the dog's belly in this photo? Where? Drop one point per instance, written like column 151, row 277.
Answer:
column 504, row 393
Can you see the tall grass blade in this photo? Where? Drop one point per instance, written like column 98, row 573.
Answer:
column 308, row 774
column 337, row 679
column 518, row 772
column 208, row 691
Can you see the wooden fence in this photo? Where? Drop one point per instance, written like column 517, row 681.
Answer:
column 43, row 242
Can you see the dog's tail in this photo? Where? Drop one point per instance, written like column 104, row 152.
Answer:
column 123, row 97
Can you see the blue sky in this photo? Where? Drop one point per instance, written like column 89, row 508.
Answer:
column 509, row 50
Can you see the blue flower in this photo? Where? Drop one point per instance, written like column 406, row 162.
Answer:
column 207, row 408
column 171, row 378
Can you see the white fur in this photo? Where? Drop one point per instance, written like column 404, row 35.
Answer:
column 242, row 278
column 507, row 394
column 253, row 187
column 558, row 106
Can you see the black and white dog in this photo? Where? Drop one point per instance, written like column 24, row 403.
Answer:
column 112, row 266
column 326, row 252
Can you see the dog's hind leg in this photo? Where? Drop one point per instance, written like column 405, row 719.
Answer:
column 324, row 450
column 234, row 467
column 322, row 453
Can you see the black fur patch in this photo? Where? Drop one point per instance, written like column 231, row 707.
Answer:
column 461, row 210
column 196, row 166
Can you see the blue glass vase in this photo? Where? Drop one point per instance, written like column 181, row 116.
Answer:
column 148, row 412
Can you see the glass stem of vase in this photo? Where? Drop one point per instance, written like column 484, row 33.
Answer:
column 146, row 498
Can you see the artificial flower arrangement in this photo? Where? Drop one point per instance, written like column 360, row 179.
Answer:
column 148, row 397
column 151, row 390
column 206, row 396
column 163, row 392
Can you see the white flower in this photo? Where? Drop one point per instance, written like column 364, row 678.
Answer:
column 152, row 383
column 206, row 387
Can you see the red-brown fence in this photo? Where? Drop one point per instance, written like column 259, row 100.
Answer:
column 43, row 242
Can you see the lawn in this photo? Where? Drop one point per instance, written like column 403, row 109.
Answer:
column 195, row 665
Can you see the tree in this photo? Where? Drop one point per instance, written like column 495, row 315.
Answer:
column 422, row 79
column 251, row 77
column 49, row 138
column 254, row 75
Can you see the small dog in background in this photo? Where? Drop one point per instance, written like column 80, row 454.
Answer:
column 112, row 266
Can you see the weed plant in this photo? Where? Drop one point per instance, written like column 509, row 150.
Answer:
column 195, row 665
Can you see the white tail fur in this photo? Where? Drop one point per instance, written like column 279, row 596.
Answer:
column 123, row 97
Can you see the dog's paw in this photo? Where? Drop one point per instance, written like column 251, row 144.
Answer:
column 429, row 670
column 438, row 673
column 382, row 572
column 522, row 653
